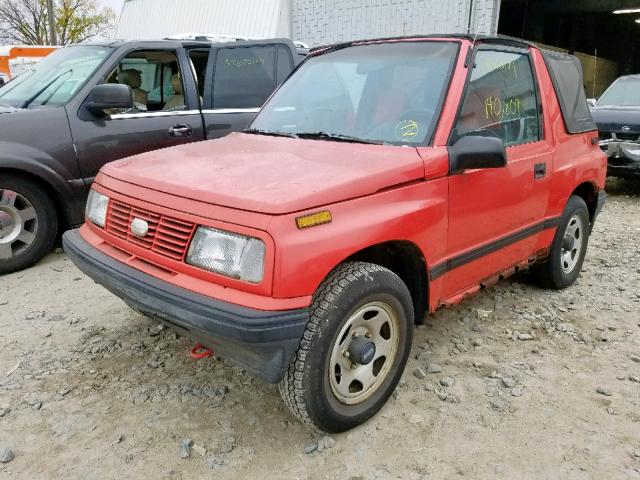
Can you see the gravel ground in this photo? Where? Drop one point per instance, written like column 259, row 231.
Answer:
column 516, row 382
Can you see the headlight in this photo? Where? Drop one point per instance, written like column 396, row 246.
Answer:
column 229, row 254
column 97, row 205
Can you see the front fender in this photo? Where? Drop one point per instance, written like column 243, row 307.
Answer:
column 38, row 142
column 416, row 213
column 69, row 191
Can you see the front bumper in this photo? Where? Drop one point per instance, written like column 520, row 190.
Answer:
column 623, row 168
column 263, row 342
column 624, row 158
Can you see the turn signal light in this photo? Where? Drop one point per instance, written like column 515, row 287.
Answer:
column 313, row 219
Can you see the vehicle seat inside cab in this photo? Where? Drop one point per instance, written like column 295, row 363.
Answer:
column 175, row 101
column 133, row 79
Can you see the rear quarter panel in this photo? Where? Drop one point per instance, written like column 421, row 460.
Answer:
column 577, row 159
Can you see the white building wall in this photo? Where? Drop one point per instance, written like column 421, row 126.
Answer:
column 156, row 19
column 319, row 22
column 315, row 22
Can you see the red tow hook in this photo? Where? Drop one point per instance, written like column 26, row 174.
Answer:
column 200, row 351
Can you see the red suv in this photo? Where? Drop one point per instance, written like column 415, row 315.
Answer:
column 384, row 179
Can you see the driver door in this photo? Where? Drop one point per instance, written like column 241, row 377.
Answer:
column 166, row 111
column 496, row 215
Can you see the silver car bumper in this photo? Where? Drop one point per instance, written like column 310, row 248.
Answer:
column 621, row 149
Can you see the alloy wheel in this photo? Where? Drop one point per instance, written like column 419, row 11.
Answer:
column 572, row 244
column 18, row 224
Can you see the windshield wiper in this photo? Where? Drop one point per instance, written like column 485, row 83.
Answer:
column 256, row 131
column 337, row 138
column 44, row 89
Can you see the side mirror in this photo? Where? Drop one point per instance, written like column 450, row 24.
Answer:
column 591, row 102
column 109, row 96
column 471, row 152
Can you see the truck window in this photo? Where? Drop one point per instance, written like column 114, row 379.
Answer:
column 501, row 99
column 243, row 76
column 154, row 78
column 56, row 79
column 284, row 65
column 199, row 60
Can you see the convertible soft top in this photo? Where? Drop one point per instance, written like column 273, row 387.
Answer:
column 566, row 75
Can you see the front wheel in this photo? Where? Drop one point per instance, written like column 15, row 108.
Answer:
column 28, row 223
column 563, row 265
column 354, row 349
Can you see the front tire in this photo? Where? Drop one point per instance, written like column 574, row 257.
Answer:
column 354, row 349
column 28, row 223
column 568, row 249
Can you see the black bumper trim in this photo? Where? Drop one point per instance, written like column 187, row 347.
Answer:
column 261, row 341
column 624, row 171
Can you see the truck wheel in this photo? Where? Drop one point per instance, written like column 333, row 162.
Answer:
column 28, row 223
column 563, row 265
column 354, row 349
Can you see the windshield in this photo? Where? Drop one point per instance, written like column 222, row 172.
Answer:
column 55, row 79
column 625, row 92
column 385, row 93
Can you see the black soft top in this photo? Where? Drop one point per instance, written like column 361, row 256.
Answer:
column 499, row 39
column 566, row 75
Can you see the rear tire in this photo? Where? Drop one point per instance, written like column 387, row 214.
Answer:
column 28, row 223
column 337, row 379
column 562, row 266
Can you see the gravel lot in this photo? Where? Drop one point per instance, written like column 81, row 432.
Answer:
column 516, row 382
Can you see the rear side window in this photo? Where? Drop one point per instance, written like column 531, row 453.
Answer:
column 244, row 77
column 566, row 75
column 501, row 99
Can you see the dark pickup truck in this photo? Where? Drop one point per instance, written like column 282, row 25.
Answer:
column 86, row 105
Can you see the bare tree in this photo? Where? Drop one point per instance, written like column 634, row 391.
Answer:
column 26, row 21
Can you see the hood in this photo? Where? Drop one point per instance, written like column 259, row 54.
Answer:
column 272, row 175
column 614, row 119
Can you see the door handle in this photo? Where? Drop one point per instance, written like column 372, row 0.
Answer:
column 180, row 131
column 539, row 170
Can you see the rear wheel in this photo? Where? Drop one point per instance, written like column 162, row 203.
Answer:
column 28, row 223
column 569, row 247
column 354, row 349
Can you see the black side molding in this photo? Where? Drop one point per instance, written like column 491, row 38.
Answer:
column 440, row 269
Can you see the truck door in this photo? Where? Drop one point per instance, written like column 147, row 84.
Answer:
column 166, row 110
column 496, row 215
column 239, row 80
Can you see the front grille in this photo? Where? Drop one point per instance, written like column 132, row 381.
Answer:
column 167, row 236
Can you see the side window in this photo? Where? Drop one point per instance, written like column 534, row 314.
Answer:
column 501, row 99
column 285, row 64
column 154, row 78
column 243, row 76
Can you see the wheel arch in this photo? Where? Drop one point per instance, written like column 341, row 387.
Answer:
column 589, row 193
column 65, row 216
column 405, row 259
